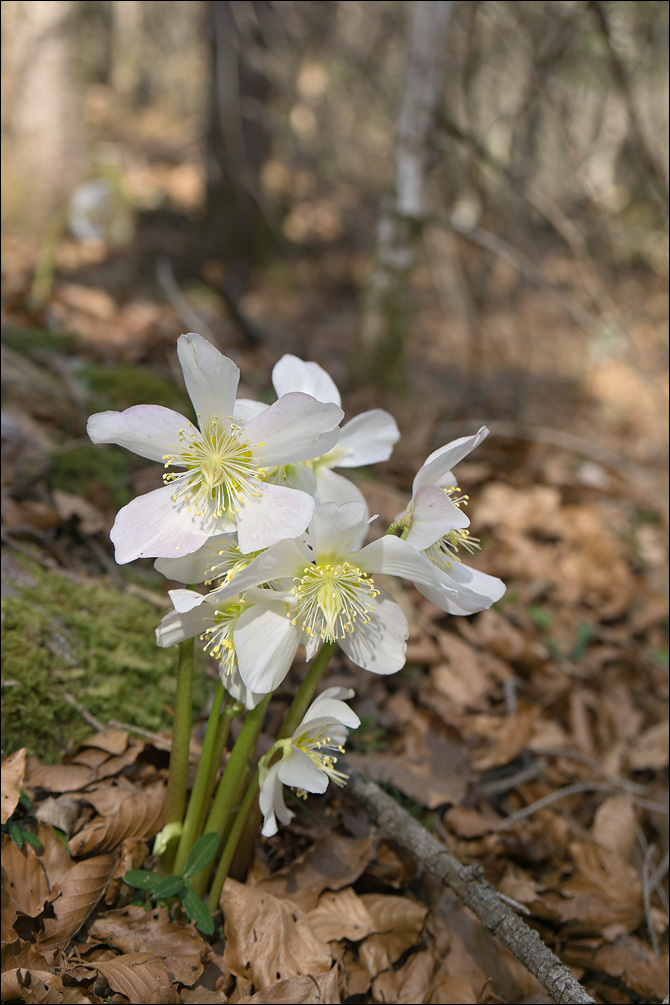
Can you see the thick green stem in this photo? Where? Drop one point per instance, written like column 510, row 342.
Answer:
column 194, row 814
column 175, row 801
column 306, row 690
column 231, row 710
column 231, row 845
column 224, row 801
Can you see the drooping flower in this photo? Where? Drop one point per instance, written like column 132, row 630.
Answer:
column 330, row 595
column 368, row 438
column 308, row 760
column 436, row 526
column 215, row 478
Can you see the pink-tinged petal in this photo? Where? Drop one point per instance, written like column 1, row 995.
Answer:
column 379, row 645
column 433, row 516
column 335, row 531
column 283, row 560
column 293, row 374
column 193, row 568
column 271, row 515
column 148, row 430
column 247, row 408
column 265, row 643
column 438, row 464
column 211, row 378
column 368, row 438
column 394, row 557
column 334, row 488
column 475, row 591
column 300, row 772
column 176, row 627
column 295, row 428
column 153, row 526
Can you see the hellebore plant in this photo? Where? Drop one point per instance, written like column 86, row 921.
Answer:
column 253, row 508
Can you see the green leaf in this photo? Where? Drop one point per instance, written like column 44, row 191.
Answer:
column 202, row 852
column 25, row 800
column 31, row 839
column 172, row 886
column 16, row 833
column 198, row 911
column 142, row 880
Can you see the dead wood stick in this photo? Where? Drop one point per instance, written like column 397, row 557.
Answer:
column 468, row 884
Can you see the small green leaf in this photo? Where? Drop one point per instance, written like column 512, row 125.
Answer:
column 141, row 879
column 198, row 911
column 25, row 800
column 16, row 833
column 201, row 854
column 31, row 839
column 172, row 886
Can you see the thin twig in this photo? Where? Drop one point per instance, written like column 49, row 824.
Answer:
column 471, row 888
column 84, row 712
column 156, row 738
column 634, row 788
column 572, row 790
column 646, row 900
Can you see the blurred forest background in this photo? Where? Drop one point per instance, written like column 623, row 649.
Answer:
column 460, row 210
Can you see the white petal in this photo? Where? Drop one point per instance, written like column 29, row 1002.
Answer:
column 295, row 428
column 300, row 772
column 153, row 526
column 148, row 430
column 330, row 708
column 247, row 408
column 368, row 438
column 380, row 644
column 433, row 516
column 394, row 557
column 176, row 627
column 334, row 488
column 336, row 530
column 236, row 687
column 188, row 600
column 266, row 643
column 283, row 560
column 271, row 515
column 438, row 464
column 193, row 568
column 271, row 802
column 211, row 378
column 294, row 374
column 475, row 591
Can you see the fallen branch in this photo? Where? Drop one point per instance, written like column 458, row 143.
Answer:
column 468, row 884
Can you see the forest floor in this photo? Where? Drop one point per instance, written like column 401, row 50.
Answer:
column 531, row 739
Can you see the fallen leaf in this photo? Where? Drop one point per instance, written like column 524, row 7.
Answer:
column 615, row 825
column 650, row 751
column 410, row 983
column 310, row 990
column 74, row 897
column 139, row 815
column 341, row 915
column 13, row 770
column 398, row 921
column 141, row 977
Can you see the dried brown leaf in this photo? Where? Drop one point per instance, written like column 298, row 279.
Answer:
column 650, row 750
column 510, row 737
column 141, row 977
column 615, row 824
column 633, row 961
column 452, row 989
column 432, row 781
column 268, row 939
column 134, row 929
column 59, row 811
column 398, row 921
column 74, row 897
column 57, row 777
column 310, row 990
column 340, row 915
column 114, row 741
column 410, row 983
column 39, row 986
column 139, row 815
column 13, row 770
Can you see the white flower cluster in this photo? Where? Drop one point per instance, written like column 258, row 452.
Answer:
column 252, row 506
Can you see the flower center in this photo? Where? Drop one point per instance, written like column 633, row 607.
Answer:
column 218, row 636
column 317, row 744
column 329, row 599
column 226, row 561
column 220, row 470
column 444, row 552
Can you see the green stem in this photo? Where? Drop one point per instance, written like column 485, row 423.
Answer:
column 175, row 801
column 231, row 845
column 224, row 801
column 232, row 709
column 306, row 690
column 190, row 834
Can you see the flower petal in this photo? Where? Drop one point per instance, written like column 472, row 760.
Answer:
column 236, row 687
column 247, row 408
column 272, row 514
column 266, row 643
column 188, row 600
column 334, row 488
column 211, row 378
column 325, row 707
column 438, row 464
column 394, row 557
column 295, row 428
column 335, row 531
column 283, row 560
column 176, row 627
column 475, row 590
column 148, row 430
column 380, row 644
column 434, row 515
column 153, row 526
column 195, row 567
column 294, row 374
column 300, row 772
column 271, row 802
column 368, row 438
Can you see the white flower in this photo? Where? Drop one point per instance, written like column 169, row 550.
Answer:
column 219, row 558
column 219, row 483
column 329, row 596
column 438, row 529
column 366, row 439
column 307, row 762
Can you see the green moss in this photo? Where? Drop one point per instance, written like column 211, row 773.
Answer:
column 72, row 470
column 119, row 387
column 94, row 642
column 27, row 341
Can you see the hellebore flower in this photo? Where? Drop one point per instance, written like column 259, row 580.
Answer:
column 438, row 529
column 368, row 438
column 307, row 762
column 219, row 482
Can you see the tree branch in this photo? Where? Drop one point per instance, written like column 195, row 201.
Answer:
column 468, row 884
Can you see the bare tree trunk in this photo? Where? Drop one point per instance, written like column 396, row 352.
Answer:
column 385, row 322
column 42, row 136
column 127, row 49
